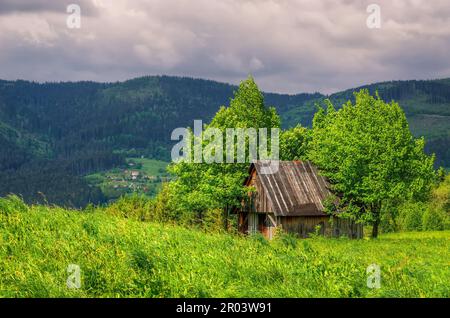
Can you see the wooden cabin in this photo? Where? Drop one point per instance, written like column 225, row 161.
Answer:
column 291, row 199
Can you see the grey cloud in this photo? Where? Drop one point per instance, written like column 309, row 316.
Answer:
column 289, row 46
column 40, row 6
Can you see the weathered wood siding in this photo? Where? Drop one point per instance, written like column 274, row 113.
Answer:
column 304, row 225
column 261, row 202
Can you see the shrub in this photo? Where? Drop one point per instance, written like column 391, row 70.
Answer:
column 288, row 240
column 164, row 209
column 12, row 203
column 389, row 218
column 137, row 207
column 213, row 220
column 410, row 216
column 434, row 219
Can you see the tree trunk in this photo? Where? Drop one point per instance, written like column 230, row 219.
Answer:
column 376, row 213
column 200, row 217
column 375, row 228
column 225, row 217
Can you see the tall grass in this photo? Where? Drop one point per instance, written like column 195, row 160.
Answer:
column 122, row 257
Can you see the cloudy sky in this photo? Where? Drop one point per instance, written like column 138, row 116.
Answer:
column 288, row 45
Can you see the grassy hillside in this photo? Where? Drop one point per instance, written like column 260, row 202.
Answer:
column 123, row 258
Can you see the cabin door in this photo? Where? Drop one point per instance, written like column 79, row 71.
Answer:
column 252, row 223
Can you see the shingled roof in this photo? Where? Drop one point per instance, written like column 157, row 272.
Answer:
column 296, row 189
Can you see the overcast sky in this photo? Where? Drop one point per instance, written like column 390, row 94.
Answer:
column 288, row 45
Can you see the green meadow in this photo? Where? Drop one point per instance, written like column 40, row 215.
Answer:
column 120, row 257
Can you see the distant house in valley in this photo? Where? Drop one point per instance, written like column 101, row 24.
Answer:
column 134, row 175
column 290, row 199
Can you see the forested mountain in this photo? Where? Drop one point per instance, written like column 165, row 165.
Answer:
column 52, row 134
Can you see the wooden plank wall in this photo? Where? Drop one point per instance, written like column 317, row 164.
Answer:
column 303, row 226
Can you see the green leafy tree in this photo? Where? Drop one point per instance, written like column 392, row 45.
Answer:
column 294, row 143
column 204, row 187
column 369, row 155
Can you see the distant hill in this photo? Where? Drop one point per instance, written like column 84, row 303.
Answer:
column 52, row 134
